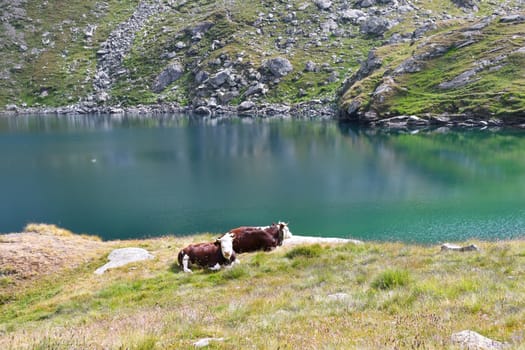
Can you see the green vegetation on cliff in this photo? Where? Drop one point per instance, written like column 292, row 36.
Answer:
column 476, row 69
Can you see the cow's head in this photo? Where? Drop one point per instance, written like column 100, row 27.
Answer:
column 283, row 227
column 226, row 242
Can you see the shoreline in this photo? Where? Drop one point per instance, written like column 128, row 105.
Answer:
column 315, row 110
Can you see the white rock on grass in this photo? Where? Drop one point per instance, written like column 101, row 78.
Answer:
column 474, row 341
column 321, row 240
column 124, row 256
column 205, row 342
column 338, row 296
column 457, row 248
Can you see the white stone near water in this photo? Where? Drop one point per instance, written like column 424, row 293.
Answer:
column 321, row 240
column 474, row 341
column 124, row 256
column 457, row 248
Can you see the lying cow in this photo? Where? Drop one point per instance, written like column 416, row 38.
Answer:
column 252, row 238
column 212, row 255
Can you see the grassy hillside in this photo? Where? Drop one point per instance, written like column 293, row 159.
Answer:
column 475, row 68
column 311, row 296
column 52, row 53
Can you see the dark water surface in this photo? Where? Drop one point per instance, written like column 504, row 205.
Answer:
column 136, row 177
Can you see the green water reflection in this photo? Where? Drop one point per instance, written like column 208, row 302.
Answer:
column 135, row 177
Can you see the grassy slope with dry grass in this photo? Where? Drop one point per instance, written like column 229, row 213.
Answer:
column 397, row 296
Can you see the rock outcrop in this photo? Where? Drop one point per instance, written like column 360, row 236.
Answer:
column 124, row 256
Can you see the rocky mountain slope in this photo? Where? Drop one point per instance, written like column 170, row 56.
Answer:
column 364, row 60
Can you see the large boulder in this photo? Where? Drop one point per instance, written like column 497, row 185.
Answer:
column 353, row 16
column 221, row 77
column 170, row 74
column 323, row 4
column 375, row 26
column 278, row 67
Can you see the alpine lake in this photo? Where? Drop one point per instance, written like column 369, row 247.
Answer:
column 131, row 177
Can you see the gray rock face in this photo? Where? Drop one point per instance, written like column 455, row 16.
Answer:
column 375, row 26
column 246, row 105
column 124, row 256
column 468, row 4
column 167, row 76
column 221, row 78
column 353, row 16
column 311, row 67
column 278, row 67
column 473, row 341
column 513, row 19
column 258, row 88
column 463, row 79
column 323, row 4
column 112, row 52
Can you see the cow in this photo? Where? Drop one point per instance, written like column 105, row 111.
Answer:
column 253, row 238
column 210, row 254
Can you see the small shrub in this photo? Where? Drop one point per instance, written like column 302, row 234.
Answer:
column 235, row 273
column 306, row 251
column 390, row 279
column 147, row 343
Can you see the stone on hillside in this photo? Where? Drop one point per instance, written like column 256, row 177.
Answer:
column 409, row 65
column 457, row 248
column 201, row 76
column 220, row 78
column 167, row 76
column 226, row 96
column 353, row 107
column 384, row 89
column 366, row 3
column 323, row 4
column 279, row 67
column 329, row 26
column 474, row 341
column 311, row 67
column 418, row 33
column 180, row 45
column 466, row 4
column 258, row 88
column 463, row 79
column 246, row 106
column 375, row 26
column 513, row 19
column 202, row 110
column 353, row 16
column 124, row 256
column 200, row 28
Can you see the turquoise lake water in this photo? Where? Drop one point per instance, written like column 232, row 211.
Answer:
column 141, row 177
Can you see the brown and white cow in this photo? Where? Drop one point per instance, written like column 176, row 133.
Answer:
column 210, row 254
column 253, row 238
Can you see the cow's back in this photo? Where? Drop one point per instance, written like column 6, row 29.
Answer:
column 251, row 240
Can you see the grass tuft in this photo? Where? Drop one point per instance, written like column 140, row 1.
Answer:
column 305, row 251
column 391, row 279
